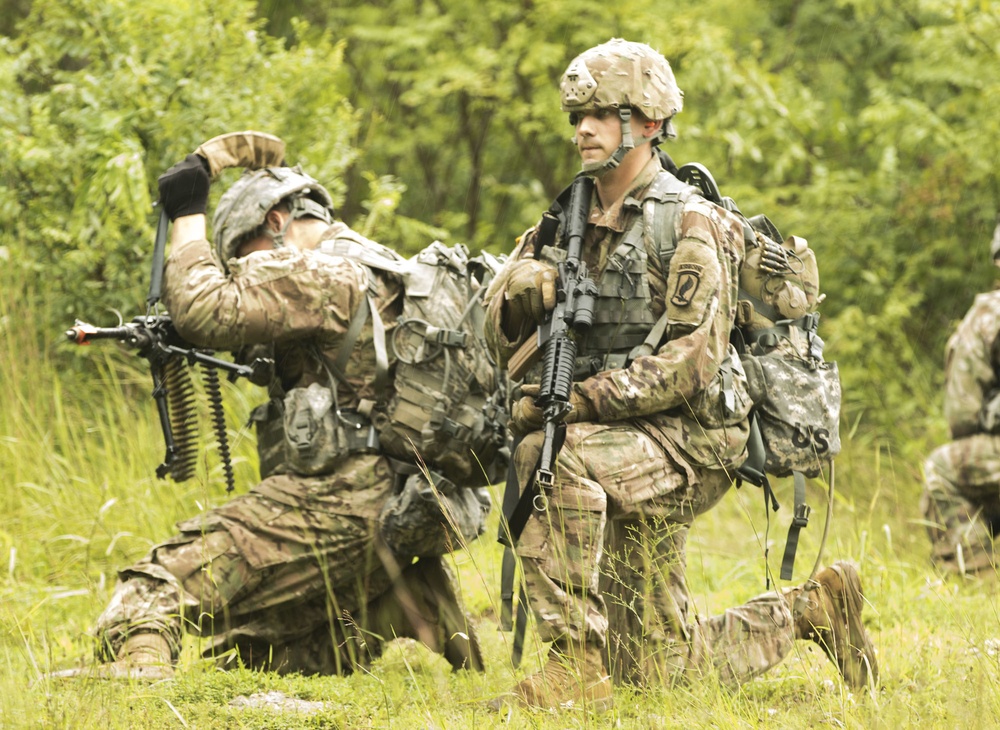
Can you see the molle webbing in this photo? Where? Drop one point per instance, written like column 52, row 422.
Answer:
column 623, row 317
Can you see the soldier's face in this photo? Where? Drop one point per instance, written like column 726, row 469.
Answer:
column 598, row 134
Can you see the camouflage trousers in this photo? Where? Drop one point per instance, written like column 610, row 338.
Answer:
column 961, row 502
column 290, row 577
column 604, row 563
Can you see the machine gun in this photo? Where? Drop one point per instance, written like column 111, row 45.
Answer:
column 169, row 357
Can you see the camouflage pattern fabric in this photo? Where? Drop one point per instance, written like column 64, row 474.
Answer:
column 427, row 520
column 292, row 575
column 290, row 547
column 961, row 503
column 294, row 299
column 604, row 562
column 961, row 498
column 798, row 407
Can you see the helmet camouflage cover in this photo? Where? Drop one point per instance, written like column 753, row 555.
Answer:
column 243, row 208
column 621, row 73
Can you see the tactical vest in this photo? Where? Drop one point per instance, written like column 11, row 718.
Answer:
column 623, row 316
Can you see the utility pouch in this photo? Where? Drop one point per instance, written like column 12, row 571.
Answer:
column 318, row 436
column 429, row 517
column 798, row 410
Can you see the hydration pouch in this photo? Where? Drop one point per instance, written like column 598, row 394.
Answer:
column 798, row 411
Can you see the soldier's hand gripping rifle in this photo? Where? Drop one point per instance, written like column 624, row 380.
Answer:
column 572, row 314
column 169, row 355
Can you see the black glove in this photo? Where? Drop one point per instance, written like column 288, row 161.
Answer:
column 184, row 187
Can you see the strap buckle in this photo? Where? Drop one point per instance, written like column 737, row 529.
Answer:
column 801, row 516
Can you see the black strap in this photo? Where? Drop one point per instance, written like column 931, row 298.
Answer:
column 799, row 520
column 752, row 470
column 518, row 517
column 159, row 248
column 511, row 617
column 521, row 627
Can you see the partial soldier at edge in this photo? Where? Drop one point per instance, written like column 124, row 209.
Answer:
column 961, row 497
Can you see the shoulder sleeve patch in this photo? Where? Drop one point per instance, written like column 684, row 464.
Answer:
column 686, row 284
column 692, row 283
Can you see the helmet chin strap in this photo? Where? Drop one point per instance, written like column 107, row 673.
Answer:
column 627, row 144
column 301, row 207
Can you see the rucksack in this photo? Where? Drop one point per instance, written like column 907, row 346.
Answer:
column 795, row 421
column 447, row 408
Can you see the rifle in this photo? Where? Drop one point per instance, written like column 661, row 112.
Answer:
column 556, row 345
column 168, row 354
column 572, row 315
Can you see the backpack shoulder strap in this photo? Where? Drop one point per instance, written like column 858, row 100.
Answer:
column 352, row 245
column 661, row 204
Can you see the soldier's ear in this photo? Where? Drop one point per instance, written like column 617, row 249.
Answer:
column 651, row 127
column 274, row 219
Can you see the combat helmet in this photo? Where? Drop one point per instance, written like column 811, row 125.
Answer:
column 622, row 75
column 243, row 208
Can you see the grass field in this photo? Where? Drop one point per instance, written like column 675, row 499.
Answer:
column 79, row 499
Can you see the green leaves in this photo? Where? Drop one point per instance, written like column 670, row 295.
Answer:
column 104, row 95
column 865, row 126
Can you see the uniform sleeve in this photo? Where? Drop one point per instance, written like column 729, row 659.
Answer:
column 269, row 296
column 700, row 296
column 969, row 365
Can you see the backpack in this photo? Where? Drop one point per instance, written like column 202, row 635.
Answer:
column 446, row 408
column 795, row 420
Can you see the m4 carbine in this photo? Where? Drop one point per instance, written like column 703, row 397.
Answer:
column 573, row 313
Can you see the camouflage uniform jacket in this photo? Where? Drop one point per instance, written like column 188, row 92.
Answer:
column 676, row 393
column 299, row 302
column 971, row 358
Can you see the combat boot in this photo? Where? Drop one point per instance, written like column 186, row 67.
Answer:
column 143, row 657
column 572, row 677
column 827, row 610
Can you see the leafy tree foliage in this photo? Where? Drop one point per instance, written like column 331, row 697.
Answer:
column 99, row 97
column 866, row 126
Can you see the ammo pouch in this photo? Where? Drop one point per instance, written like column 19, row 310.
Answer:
column 797, row 404
column 269, row 426
column 428, row 520
column 319, row 436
